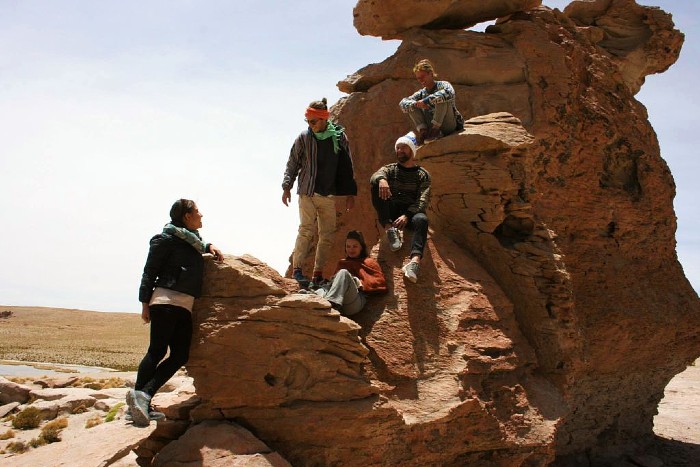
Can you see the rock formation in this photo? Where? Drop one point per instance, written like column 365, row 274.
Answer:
column 551, row 309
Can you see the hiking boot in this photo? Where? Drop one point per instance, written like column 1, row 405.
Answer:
column 410, row 271
column 318, row 282
column 300, row 278
column 422, row 134
column 392, row 234
column 139, row 402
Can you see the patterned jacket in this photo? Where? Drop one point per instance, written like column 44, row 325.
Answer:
column 302, row 163
column 443, row 92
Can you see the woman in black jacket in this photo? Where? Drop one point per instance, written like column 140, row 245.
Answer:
column 172, row 279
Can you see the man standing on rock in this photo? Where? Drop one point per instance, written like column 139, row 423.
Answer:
column 321, row 158
column 400, row 194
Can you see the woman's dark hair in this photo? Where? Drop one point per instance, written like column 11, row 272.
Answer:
column 320, row 105
column 357, row 235
column 180, row 207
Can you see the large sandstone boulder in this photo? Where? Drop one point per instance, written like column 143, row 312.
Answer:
column 577, row 228
column 219, row 444
column 551, row 310
column 640, row 40
column 389, row 18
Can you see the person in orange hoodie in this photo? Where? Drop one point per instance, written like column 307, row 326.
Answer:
column 356, row 276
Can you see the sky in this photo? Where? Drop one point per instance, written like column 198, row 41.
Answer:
column 111, row 110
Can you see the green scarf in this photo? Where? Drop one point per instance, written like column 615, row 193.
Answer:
column 331, row 131
column 190, row 236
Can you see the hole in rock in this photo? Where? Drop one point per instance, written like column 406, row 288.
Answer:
column 270, row 379
column 513, row 230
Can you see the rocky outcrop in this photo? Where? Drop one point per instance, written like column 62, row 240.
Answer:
column 640, row 40
column 570, row 211
column 396, row 387
column 216, row 443
column 551, row 310
column 390, row 18
column 103, row 443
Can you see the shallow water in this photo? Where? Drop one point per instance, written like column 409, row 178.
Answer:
column 48, row 369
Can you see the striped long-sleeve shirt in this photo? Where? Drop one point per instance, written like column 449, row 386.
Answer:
column 408, row 185
column 303, row 163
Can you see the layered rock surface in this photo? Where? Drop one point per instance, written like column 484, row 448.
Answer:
column 551, row 310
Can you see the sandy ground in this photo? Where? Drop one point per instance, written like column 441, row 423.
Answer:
column 677, row 426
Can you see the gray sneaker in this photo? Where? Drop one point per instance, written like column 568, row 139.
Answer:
column 138, row 402
column 410, row 271
column 392, row 234
column 153, row 414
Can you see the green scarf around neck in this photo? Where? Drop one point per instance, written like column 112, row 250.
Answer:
column 331, row 131
column 191, row 237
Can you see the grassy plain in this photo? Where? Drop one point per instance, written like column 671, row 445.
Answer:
column 58, row 335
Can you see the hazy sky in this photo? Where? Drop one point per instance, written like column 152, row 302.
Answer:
column 111, row 110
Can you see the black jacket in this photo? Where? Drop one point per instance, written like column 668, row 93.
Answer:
column 172, row 263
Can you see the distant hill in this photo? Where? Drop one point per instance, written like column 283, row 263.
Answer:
column 59, row 335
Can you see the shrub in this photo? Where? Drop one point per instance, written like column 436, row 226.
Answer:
column 93, row 421
column 98, row 384
column 27, row 419
column 17, row 447
column 79, row 409
column 111, row 415
column 51, row 432
column 7, row 435
column 36, row 442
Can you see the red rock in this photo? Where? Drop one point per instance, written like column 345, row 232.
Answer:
column 389, row 18
column 221, row 444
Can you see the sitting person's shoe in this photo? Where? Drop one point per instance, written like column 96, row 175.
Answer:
column 410, row 271
column 300, row 278
column 392, row 234
column 422, row 134
column 317, row 282
column 433, row 134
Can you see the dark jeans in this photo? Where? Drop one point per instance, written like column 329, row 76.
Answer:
column 171, row 326
column 389, row 210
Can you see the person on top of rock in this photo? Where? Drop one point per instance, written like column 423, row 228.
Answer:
column 171, row 280
column 400, row 195
column 320, row 157
column 432, row 109
column 355, row 276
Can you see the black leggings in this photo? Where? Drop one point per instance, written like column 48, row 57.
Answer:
column 171, row 326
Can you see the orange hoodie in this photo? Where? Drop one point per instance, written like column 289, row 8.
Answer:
column 368, row 271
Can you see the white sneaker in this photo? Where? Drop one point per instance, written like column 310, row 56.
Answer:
column 410, row 271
